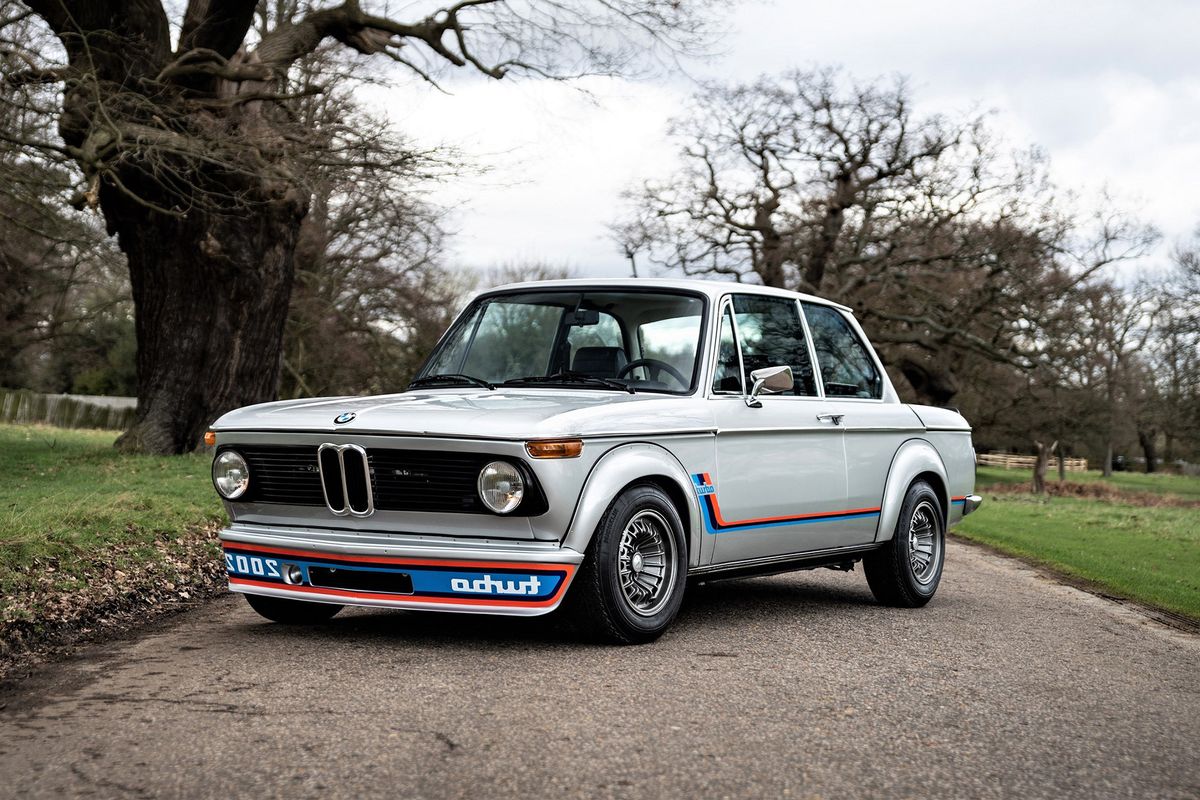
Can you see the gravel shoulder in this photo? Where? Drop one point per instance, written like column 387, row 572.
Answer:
column 1008, row 684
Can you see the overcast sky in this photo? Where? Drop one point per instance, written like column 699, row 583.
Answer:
column 1110, row 90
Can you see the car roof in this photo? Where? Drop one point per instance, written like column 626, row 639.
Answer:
column 714, row 289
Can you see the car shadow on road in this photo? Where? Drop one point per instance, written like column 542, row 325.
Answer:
column 718, row 605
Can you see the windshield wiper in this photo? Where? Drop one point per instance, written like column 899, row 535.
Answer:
column 457, row 377
column 570, row 377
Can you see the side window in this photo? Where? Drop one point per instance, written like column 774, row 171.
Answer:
column 846, row 368
column 727, row 378
column 771, row 335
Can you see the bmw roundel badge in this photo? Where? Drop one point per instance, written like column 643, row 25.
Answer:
column 344, row 417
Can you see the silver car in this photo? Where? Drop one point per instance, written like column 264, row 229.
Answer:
column 596, row 445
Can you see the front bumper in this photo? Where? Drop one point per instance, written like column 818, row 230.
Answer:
column 398, row 570
column 971, row 503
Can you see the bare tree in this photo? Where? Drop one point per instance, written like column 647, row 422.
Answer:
column 190, row 147
column 948, row 248
column 1172, row 362
column 62, row 284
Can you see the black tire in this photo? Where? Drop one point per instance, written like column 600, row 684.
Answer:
column 292, row 612
column 598, row 603
column 890, row 570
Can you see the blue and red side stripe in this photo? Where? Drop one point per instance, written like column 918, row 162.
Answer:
column 715, row 523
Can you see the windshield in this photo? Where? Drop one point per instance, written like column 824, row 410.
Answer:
column 616, row 340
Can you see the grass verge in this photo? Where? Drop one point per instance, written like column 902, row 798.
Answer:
column 87, row 533
column 1182, row 486
column 1144, row 552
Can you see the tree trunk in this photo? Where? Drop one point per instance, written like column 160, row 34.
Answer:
column 210, row 293
column 1062, row 464
column 1146, row 439
column 931, row 380
column 1108, row 457
column 1040, row 466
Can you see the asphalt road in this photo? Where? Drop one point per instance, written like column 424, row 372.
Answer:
column 1007, row 685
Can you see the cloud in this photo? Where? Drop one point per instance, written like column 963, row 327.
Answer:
column 1109, row 89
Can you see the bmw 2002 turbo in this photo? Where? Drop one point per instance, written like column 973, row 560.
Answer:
column 595, row 445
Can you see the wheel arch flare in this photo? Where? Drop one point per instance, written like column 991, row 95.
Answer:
column 626, row 465
column 913, row 459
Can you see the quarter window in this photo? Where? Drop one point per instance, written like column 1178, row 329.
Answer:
column 846, row 368
column 728, row 376
column 771, row 334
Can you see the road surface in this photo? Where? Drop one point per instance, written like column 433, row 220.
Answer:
column 1007, row 685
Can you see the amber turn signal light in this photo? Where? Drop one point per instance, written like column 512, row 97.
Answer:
column 210, row 438
column 557, row 448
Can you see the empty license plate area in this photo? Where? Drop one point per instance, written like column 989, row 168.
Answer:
column 361, row 580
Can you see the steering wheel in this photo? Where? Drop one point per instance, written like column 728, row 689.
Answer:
column 655, row 368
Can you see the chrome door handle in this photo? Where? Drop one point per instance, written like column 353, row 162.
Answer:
column 836, row 419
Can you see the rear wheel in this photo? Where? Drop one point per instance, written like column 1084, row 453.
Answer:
column 906, row 571
column 632, row 580
column 292, row 612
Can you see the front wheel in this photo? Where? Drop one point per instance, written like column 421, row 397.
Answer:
column 906, row 571
column 633, row 577
column 292, row 612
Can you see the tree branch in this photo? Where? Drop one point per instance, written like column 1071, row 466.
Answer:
column 216, row 25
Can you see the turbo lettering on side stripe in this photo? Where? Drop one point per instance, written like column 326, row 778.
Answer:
column 714, row 523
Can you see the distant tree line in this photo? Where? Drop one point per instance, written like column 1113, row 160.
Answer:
column 982, row 285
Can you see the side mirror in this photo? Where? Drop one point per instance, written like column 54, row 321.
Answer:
column 770, row 380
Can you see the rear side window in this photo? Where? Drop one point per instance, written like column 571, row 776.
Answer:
column 771, row 335
column 846, row 368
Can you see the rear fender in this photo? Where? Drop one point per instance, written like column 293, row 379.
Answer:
column 637, row 462
column 915, row 456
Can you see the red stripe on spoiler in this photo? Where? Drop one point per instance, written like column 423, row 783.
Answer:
column 568, row 569
column 407, row 598
column 416, row 562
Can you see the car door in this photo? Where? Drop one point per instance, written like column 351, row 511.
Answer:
column 875, row 425
column 780, row 481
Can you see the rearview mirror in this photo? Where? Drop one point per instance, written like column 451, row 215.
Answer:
column 584, row 317
column 770, row 380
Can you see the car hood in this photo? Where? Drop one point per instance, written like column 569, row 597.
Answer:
column 480, row 413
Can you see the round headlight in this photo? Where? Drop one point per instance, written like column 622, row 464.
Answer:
column 231, row 474
column 501, row 487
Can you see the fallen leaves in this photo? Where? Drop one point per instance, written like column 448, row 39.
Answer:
column 53, row 599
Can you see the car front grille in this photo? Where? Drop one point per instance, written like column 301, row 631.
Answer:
column 400, row 479
column 425, row 480
column 283, row 474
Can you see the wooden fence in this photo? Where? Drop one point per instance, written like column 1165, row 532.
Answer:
column 66, row 411
column 1011, row 461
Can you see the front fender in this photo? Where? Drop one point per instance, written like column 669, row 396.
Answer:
column 914, row 457
column 621, row 466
